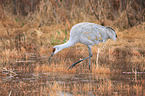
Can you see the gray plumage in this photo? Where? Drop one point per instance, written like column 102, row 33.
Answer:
column 88, row 34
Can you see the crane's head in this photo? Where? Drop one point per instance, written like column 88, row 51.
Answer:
column 111, row 33
column 55, row 50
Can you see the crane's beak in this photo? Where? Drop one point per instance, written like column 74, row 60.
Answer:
column 51, row 56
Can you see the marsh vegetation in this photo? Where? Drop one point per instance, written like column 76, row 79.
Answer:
column 29, row 30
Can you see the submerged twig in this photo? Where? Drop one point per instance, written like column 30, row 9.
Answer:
column 10, row 93
column 99, row 50
column 8, row 72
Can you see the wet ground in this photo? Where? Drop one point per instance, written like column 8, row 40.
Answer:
column 27, row 82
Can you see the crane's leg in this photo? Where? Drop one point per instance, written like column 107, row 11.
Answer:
column 90, row 55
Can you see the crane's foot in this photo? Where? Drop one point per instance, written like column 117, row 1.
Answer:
column 89, row 67
column 72, row 66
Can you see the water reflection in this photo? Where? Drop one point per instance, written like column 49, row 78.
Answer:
column 29, row 82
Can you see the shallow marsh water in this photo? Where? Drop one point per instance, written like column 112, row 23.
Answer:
column 31, row 83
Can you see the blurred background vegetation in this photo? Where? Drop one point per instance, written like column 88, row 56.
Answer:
column 121, row 13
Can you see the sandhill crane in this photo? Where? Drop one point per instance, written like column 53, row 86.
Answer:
column 86, row 33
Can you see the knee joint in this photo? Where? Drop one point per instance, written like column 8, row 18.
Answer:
column 91, row 55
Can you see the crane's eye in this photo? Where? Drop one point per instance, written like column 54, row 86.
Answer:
column 53, row 50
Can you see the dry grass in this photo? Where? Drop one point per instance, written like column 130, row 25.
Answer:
column 24, row 39
column 50, row 24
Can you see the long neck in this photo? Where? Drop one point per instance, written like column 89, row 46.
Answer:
column 67, row 44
